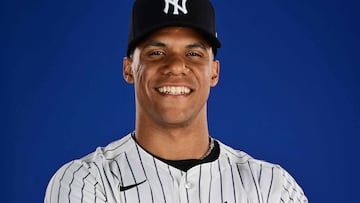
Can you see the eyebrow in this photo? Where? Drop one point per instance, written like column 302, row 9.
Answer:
column 196, row 45
column 154, row 44
column 161, row 44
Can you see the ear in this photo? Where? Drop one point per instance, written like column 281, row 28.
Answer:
column 215, row 73
column 127, row 70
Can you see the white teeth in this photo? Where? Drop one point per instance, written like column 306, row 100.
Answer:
column 174, row 90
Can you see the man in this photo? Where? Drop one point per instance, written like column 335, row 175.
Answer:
column 170, row 157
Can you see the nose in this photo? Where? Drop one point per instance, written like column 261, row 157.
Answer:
column 175, row 65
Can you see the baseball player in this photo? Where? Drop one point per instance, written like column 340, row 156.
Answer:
column 170, row 156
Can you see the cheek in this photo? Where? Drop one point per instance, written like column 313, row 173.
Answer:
column 208, row 74
column 138, row 73
column 144, row 78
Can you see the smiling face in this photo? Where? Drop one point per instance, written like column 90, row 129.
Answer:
column 173, row 71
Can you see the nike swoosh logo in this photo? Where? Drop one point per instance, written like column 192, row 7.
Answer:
column 123, row 188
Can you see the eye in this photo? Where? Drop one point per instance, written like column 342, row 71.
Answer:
column 193, row 54
column 157, row 53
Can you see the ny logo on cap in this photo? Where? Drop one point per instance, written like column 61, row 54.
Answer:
column 177, row 7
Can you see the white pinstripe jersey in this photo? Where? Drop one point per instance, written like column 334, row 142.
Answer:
column 123, row 172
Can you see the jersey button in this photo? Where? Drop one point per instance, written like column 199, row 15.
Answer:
column 187, row 185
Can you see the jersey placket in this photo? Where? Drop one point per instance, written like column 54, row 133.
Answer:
column 192, row 188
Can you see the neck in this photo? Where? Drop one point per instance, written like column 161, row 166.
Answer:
column 172, row 142
column 170, row 147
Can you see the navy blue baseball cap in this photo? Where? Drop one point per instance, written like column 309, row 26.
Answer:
column 150, row 15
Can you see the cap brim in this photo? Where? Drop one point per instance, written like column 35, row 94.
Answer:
column 213, row 41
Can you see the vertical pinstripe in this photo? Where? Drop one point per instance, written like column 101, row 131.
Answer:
column 234, row 177
column 132, row 173
column 221, row 182
column 241, row 180
column 200, row 183
column 102, row 181
column 72, row 180
column 187, row 189
column 211, row 175
column 271, row 181
column 171, row 175
column 161, row 184
column 142, row 166
column 121, row 179
column 261, row 167
column 95, row 191
column 83, row 186
column 58, row 199
column 252, row 174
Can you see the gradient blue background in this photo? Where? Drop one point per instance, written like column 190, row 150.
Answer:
column 288, row 92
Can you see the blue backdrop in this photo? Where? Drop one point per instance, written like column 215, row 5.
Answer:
column 288, row 91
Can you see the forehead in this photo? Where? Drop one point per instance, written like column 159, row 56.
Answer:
column 178, row 34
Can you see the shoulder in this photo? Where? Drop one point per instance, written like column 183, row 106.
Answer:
column 95, row 160
column 249, row 166
column 269, row 179
column 72, row 179
column 111, row 151
column 86, row 174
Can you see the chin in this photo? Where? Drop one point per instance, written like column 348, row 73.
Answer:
column 175, row 121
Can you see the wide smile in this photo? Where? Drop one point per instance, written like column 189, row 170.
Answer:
column 174, row 90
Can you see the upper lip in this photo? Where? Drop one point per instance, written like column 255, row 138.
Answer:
column 174, row 84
